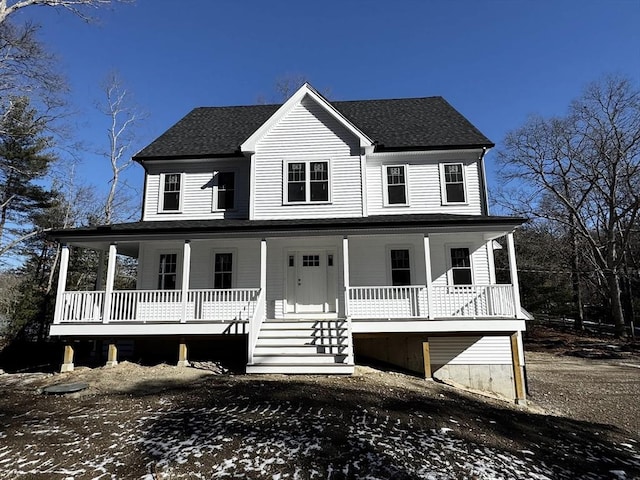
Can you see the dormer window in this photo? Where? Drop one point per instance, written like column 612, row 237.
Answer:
column 307, row 182
column 171, row 186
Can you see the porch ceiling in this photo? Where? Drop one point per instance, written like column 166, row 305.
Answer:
column 193, row 229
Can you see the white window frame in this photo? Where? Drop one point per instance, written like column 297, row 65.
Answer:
column 178, row 268
column 307, row 180
column 161, row 193
column 234, row 265
column 385, row 184
column 214, row 203
column 412, row 264
column 443, row 184
column 448, row 249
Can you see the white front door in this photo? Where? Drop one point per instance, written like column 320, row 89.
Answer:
column 309, row 282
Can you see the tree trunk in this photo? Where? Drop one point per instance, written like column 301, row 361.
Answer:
column 613, row 283
column 575, row 279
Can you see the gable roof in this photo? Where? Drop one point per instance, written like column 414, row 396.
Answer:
column 428, row 123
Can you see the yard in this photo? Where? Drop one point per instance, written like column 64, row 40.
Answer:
column 164, row 422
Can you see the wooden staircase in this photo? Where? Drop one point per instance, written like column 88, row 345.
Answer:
column 303, row 346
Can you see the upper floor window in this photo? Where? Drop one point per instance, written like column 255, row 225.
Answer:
column 461, row 266
column 400, row 267
column 167, row 272
column 307, row 182
column 224, row 191
column 453, row 187
column 223, row 270
column 396, row 184
column 171, row 185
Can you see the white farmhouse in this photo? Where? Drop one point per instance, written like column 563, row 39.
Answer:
column 320, row 232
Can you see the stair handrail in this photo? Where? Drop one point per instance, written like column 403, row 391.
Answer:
column 255, row 323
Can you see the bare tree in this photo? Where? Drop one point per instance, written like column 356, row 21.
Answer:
column 123, row 116
column 583, row 171
column 77, row 7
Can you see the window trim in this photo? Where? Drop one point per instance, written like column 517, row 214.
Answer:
column 443, row 184
column 214, row 200
column 178, row 272
column 385, row 185
column 307, row 182
column 412, row 266
column 448, row 249
column 234, row 266
column 161, row 193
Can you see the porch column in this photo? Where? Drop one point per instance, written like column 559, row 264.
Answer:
column 112, row 354
column 186, row 272
column 428, row 277
column 263, row 266
column 345, row 273
column 518, row 377
column 62, row 283
column 67, row 363
column 111, row 275
column 100, row 272
column 513, row 272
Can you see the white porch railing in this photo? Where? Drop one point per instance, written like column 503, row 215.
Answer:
column 160, row 306
column 466, row 301
column 473, row 301
column 388, row 302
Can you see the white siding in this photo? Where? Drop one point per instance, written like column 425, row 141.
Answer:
column 197, row 195
column 370, row 262
column 246, row 258
column 424, row 189
column 478, row 350
column 308, row 132
column 440, row 256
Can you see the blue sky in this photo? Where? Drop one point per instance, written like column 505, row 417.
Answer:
column 495, row 61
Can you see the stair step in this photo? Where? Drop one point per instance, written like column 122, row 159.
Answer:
column 299, row 349
column 297, row 368
column 299, row 358
column 299, row 333
column 296, row 341
column 305, row 324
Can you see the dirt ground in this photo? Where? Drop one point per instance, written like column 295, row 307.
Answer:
column 172, row 423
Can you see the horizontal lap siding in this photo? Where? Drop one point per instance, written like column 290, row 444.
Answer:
column 423, row 184
column 487, row 350
column 197, row 198
column 308, row 132
column 440, row 256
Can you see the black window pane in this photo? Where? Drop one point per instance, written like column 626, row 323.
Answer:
column 462, row 276
column 296, row 172
column 171, row 201
column 455, row 192
column 399, row 258
column 460, row 257
column 319, row 171
column 296, row 192
column 397, row 194
column 400, row 277
column 319, row 191
column 226, row 189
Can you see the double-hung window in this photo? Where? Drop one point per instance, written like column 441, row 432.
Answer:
column 400, row 267
column 453, row 188
column 461, row 266
column 307, row 182
column 224, row 191
column 167, row 271
column 396, row 184
column 223, row 270
column 171, row 184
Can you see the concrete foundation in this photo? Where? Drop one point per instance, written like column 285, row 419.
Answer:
column 496, row 379
column 404, row 351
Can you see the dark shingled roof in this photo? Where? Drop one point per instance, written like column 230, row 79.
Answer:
column 331, row 225
column 400, row 124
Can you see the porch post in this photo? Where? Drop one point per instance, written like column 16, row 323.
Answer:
column 513, row 272
column 428, row 277
column 345, row 273
column 186, row 272
column 111, row 275
column 263, row 266
column 100, row 272
column 62, row 283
